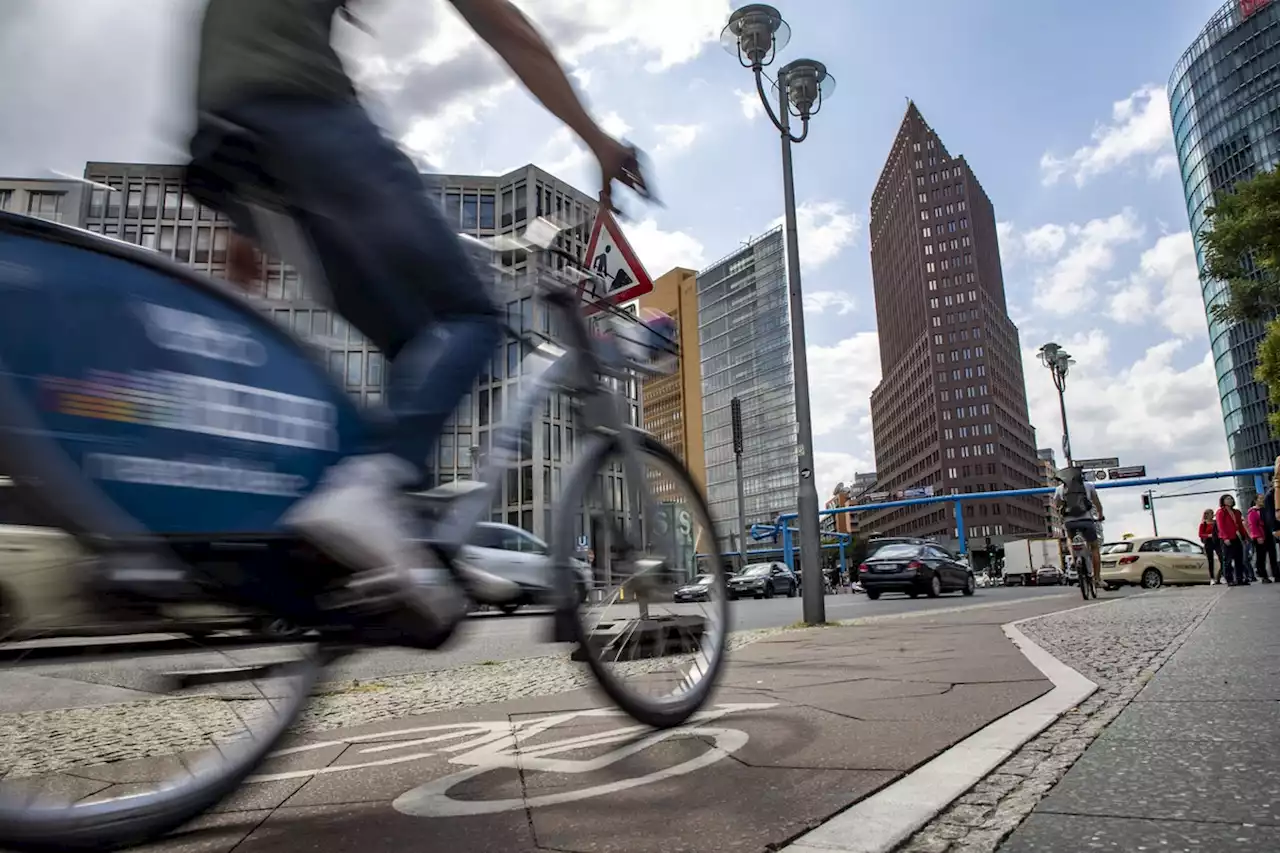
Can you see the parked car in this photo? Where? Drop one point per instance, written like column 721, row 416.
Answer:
column 1152, row 562
column 915, row 568
column 1049, row 576
column 764, row 580
column 699, row 590
column 517, row 555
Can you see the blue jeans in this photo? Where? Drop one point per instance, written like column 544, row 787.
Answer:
column 392, row 264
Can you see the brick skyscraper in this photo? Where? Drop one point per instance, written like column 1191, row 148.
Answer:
column 951, row 409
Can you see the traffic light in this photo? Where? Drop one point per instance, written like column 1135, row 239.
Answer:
column 735, row 416
column 1146, row 502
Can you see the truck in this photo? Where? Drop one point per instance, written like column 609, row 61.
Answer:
column 1022, row 557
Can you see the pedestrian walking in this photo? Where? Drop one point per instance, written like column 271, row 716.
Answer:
column 1231, row 532
column 1212, row 545
column 1264, row 543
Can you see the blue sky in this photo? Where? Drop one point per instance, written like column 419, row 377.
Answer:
column 1059, row 108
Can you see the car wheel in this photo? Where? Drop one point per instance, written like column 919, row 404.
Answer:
column 873, row 594
column 768, row 591
column 935, row 586
column 913, row 594
column 970, row 585
column 1152, row 579
column 792, row 591
column 509, row 608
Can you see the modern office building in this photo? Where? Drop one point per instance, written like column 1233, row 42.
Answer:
column 951, row 410
column 1049, row 473
column 150, row 207
column 1224, row 96
column 673, row 404
column 55, row 200
column 744, row 335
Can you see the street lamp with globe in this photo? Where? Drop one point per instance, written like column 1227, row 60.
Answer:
column 1059, row 362
column 755, row 33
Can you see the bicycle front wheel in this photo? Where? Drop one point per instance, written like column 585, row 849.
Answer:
column 654, row 625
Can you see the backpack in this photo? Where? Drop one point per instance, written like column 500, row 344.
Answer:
column 1076, row 502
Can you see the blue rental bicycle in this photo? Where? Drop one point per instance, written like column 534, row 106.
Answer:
column 161, row 420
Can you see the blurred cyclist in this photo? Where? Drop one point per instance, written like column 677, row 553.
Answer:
column 1080, row 508
column 280, row 126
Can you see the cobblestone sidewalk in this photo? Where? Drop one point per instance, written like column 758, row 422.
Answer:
column 1119, row 645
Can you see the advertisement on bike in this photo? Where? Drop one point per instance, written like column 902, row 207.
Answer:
column 183, row 404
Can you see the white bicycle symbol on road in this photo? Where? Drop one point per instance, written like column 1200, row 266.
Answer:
column 496, row 745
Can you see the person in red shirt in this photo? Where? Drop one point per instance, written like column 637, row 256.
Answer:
column 1212, row 544
column 1264, row 543
column 1231, row 532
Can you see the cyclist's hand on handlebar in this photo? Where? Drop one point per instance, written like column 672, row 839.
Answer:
column 619, row 162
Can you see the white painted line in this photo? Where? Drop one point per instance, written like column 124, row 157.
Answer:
column 881, row 822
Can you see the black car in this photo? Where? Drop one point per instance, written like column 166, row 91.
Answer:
column 915, row 568
column 764, row 580
column 699, row 590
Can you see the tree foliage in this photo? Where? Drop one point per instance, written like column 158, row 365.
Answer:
column 1242, row 248
column 1268, row 371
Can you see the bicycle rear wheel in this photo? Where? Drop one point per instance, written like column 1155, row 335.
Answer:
column 157, row 738
column 654, row 629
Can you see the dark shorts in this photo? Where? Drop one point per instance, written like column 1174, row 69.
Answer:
column 393, row 263
column 1087, row 529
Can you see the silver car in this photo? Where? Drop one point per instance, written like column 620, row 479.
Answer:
column 519, row 556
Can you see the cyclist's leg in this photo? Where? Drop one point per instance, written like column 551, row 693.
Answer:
column 395, row 270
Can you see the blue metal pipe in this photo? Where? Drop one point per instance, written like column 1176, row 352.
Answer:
column 1043, row 490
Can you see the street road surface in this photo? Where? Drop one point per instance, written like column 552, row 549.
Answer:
column 105, row 677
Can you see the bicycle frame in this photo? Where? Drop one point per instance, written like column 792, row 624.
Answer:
column 575, row 368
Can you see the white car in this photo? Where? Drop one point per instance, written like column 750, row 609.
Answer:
column 517, row 555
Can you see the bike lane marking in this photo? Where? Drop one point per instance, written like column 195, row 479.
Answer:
column 496, row 745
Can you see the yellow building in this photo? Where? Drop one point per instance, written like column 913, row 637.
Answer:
column 673, row 404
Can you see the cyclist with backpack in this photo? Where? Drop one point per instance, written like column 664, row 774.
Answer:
column 1080, row 508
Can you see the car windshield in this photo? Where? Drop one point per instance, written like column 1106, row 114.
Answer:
column 1116, row 548
column 875, row 546
column 755, row 571
column 896, row 551
column 703, row 580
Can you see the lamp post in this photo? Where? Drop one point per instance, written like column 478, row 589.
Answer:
column 755, row 33
column 1059, row 362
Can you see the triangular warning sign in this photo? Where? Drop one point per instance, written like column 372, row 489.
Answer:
column 620, row 275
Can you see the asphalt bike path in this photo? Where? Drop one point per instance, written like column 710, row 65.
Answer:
column 805, row 724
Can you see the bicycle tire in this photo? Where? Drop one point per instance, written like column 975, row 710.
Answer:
column 669, row 712
column 130, row 821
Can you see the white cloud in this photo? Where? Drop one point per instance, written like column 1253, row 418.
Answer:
column 431, row 140
column 749, row 103
column 669, row 32
column 660, row 250
column 825, row 228
column 1150, row 412
column 1071, row 257
column 1165, row 287
column 1045, row 241
column 841, row 378
column 564, row 156
column 584, row 77
column 675, row 137
column 1140, row 127
column 829, row 301
column 614, row 125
